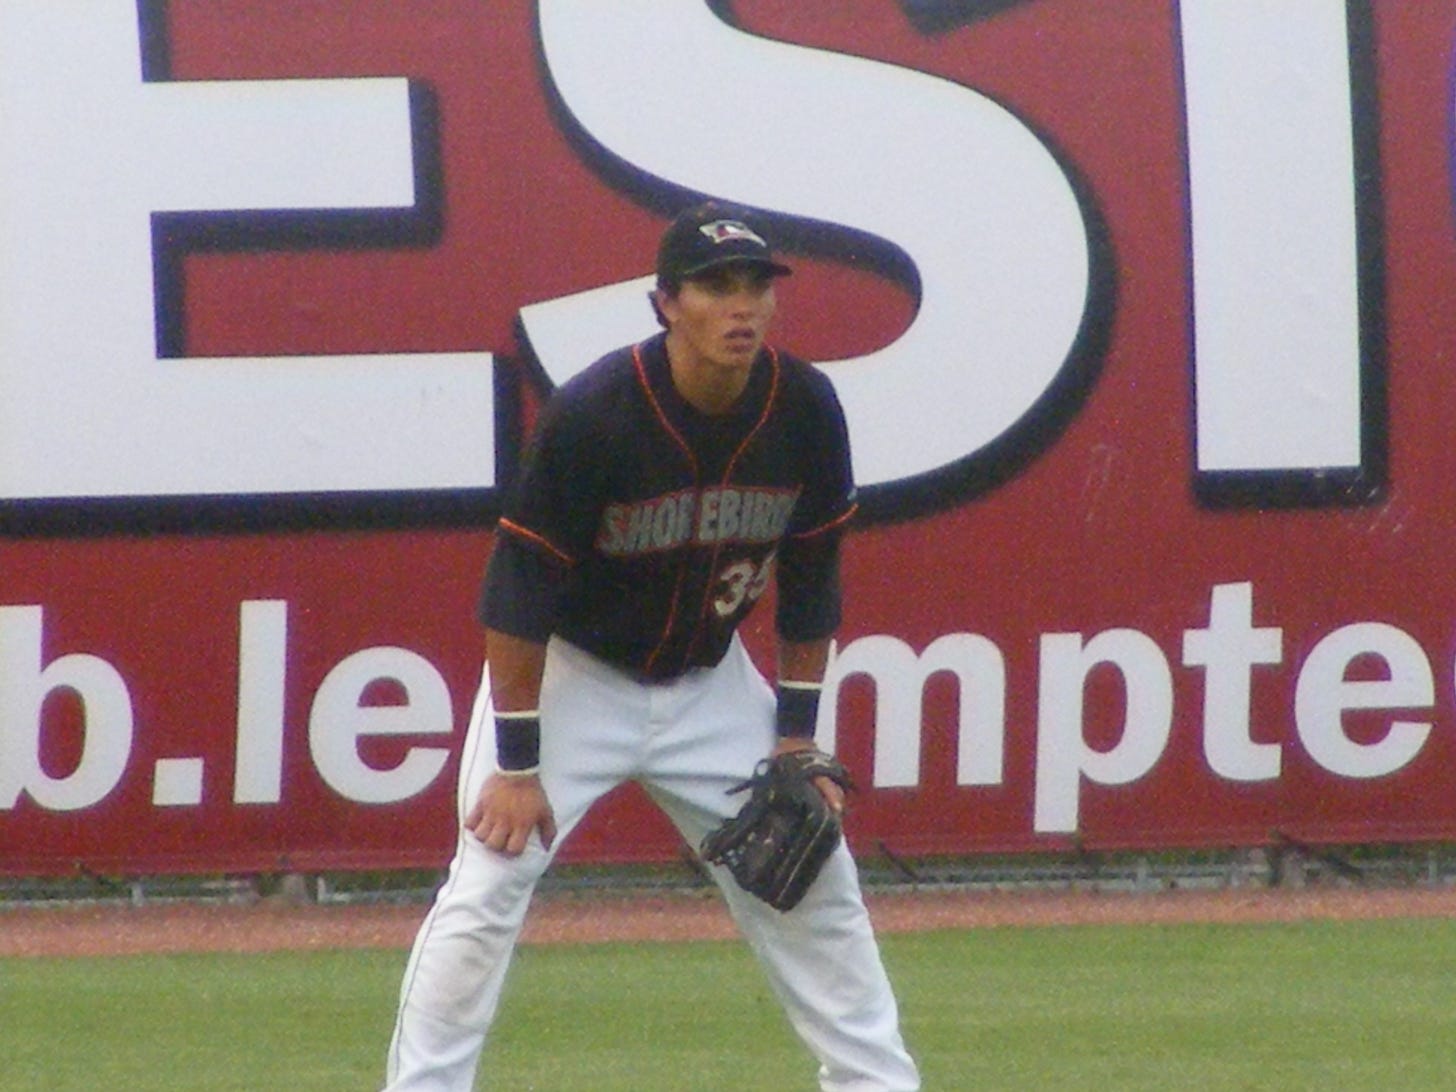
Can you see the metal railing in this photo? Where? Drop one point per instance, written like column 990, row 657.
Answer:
column 1284, row 863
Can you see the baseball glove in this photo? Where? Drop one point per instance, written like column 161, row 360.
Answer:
column 777, row 844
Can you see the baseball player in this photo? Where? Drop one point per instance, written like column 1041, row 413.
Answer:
column 664, row 487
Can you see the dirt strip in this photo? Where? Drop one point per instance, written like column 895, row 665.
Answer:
column 576, row 918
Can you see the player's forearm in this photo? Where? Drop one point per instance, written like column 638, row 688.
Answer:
column 803, row 661
column 515, row 665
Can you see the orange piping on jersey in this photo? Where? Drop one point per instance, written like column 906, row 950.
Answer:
column 660, row 413
column 768, row 404
column 671, row 615
column 838, row 521
column 677, row 437
column 531, row 536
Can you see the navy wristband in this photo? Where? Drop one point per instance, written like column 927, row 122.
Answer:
column 518, row 741
column 798, row 710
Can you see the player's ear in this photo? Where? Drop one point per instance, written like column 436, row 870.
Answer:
column 662, row 301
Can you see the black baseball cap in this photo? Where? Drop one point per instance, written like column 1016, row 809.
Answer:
column 709, row 235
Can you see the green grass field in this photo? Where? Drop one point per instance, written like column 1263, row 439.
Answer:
column 1328, row 1006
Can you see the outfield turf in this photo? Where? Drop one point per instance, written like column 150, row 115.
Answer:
column 1328, row 1006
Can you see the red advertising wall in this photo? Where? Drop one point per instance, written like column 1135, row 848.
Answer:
column 1141, row 313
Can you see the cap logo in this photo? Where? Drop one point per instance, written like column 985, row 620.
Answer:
column 727, row 231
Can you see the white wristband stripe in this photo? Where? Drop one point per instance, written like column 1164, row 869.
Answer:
column 530, row 771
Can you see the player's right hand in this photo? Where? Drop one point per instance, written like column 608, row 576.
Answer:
column 507, row 811
column 833, row 794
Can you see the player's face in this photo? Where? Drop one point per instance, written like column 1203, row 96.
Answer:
column 717, row 321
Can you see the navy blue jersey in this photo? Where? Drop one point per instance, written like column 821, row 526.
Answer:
column 644, row 531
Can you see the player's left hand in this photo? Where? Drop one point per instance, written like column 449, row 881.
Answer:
column 832, row 793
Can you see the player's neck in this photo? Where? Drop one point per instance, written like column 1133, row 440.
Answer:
column 707, row 386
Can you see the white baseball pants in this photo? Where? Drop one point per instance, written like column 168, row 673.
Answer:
column 686, row 742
